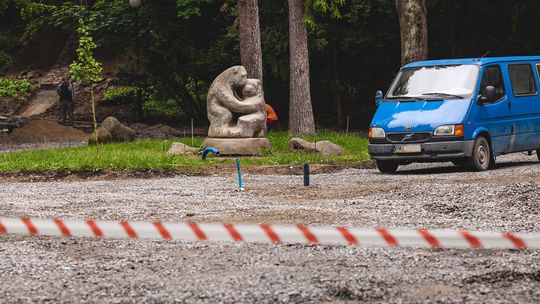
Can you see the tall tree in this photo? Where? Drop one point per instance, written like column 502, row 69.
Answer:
column 301, row 119
column 413, row 29
column 250, row 38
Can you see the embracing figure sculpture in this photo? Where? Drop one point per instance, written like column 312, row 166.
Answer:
column 237, row 114
column 234, row 116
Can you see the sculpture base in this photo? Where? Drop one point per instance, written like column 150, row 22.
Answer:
column 238, row 146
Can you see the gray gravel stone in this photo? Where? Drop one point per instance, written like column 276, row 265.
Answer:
column 419, row 196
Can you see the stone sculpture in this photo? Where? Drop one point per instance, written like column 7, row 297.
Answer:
column 237, row 114
column 223, row 102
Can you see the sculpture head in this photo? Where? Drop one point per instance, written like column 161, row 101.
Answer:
column 252, row 88
column 238, row 76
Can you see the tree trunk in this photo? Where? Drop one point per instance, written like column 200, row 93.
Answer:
column 250, row 38
column 338, row 101
column 413, row 30
column 300, row 110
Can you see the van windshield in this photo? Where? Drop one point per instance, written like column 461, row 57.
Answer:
column 439, row 82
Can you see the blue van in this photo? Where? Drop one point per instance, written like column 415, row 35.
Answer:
column 467, row 111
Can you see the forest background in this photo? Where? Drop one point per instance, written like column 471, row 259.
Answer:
column 173, row 49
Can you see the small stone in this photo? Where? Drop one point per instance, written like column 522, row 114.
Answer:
column 181, row 149
column 325, row 147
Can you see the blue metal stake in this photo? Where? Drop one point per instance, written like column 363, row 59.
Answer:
column 209, row 150
column 239, row 175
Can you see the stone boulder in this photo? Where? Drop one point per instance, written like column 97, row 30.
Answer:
column 239, row 146
column 325, row 147
column 300, row 144
column 112, row 130
column 181, row 149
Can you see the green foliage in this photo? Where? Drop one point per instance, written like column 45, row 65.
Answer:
column 354, row 44
column 167, row 109
column 5, row 60
column 321, row 7
column 151, row 154
column 326, row 6
column 189, row 8
column 14, row 88
column 4, row 4
column 37, row 15
column 120, row 94
column 86, row 68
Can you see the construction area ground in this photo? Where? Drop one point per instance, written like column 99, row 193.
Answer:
column 42, row 269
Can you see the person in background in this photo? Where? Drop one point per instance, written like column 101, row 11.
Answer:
column 66, row 92
column 271, row 116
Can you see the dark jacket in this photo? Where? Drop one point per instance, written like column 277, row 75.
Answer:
column 71, row 89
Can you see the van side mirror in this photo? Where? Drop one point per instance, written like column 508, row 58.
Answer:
column 489, row 96
column 378, row 97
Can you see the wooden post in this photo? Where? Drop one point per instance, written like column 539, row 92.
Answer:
column 192, row 139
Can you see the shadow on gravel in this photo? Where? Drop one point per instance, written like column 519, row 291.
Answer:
column 503, row 276
column 459, row 169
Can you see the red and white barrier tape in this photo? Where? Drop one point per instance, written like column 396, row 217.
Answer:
column 269, row 234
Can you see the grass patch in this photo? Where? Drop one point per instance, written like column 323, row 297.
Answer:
column 151, row 154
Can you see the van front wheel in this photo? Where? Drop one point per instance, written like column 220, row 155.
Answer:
column 387, row 166
column 481, row 159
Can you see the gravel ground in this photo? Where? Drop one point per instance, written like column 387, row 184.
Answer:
column 419, row 196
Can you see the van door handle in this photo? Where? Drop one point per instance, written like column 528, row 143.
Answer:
column 509, row 105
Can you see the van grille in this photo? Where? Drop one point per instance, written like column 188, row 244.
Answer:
column 408, row 137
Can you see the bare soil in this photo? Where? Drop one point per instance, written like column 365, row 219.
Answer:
column 43, row 131
column 210, row 170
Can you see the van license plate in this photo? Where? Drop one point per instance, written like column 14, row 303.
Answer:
column 408, row 149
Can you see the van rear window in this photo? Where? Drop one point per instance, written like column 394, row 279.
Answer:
column 522, row 79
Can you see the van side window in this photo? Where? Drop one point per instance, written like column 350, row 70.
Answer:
column 493, row 77
column 522, row 79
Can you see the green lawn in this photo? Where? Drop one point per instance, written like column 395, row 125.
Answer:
column 151, row 154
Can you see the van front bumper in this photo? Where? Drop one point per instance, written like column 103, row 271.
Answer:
column 431, row 151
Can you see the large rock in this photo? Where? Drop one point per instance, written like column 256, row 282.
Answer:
column 325, row 147
column 112, row 130
column 181, row 149
column 238, row 146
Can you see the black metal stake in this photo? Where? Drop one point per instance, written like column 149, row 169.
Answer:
column 306, row 175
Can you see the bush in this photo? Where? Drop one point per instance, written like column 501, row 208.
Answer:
column 168, row 108
column 120, row 95
column 5, row 60
column 14, row 88
column 5, row 47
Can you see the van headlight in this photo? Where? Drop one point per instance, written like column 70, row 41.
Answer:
column 449, row 130
column 376, row 133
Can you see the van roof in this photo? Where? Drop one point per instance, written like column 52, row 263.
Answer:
column 477, row 61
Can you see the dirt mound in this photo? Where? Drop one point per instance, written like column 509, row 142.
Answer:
column 159, row 131
column 46, row 131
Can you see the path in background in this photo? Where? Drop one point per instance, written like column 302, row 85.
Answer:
column 40, row 103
